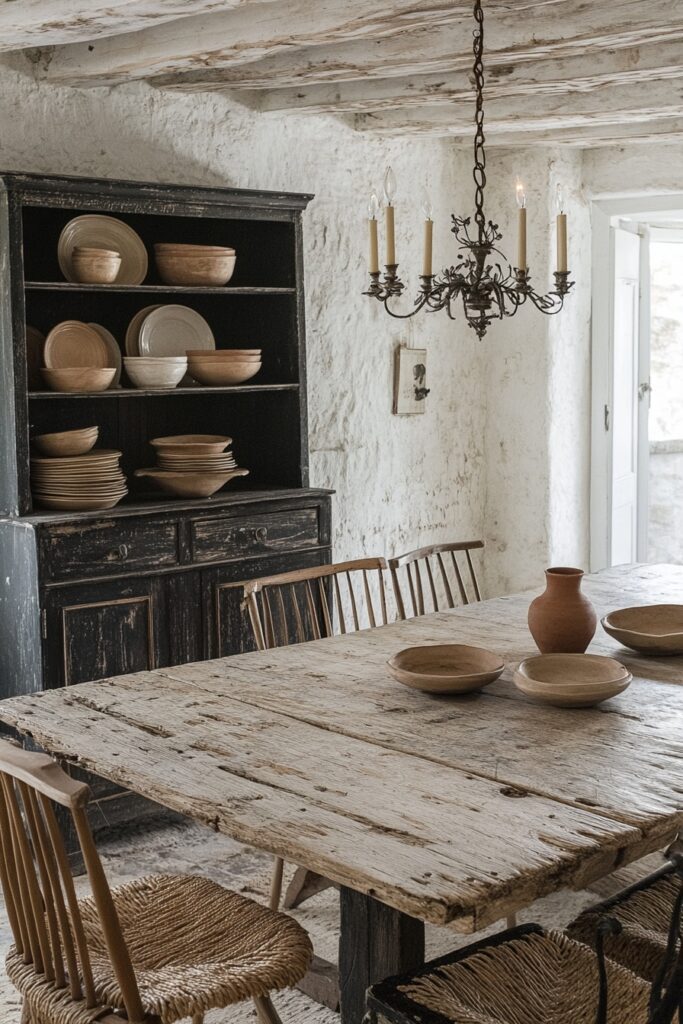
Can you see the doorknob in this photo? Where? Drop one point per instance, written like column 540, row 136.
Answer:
column 644, row 389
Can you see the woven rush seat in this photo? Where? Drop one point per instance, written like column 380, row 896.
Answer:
column 644, row 911
column 522, row 976
column 194, row 946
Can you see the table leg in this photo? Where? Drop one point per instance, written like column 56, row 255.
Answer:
column 375, row 942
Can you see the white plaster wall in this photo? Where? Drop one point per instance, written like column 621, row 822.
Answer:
column 632, row 170
column 400, row 482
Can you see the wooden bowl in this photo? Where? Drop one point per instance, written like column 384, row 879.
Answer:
column 240, row 354
column 67, row 442
column 79, row 379
column 188, row 249
column 192, row 444
column 95, row 266
column 221, row 372
column 445, row 668
column 571, row 680
column 650, row 629
column 205, row 269
column 191, row 485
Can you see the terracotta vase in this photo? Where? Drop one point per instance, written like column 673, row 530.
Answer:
column 562, row 620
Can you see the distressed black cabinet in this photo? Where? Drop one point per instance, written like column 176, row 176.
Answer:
column 150, row 583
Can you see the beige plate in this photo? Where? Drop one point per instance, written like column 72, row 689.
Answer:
column 197, row 465
column 113, row 350
column 192, row 444
column 89, row 459
column 446, row 668
column 78, row 504
column 72, row 344
column 191, row 485
column 571, row 680
column 35, row 343
column 66, row 442
column 650, row 629
column 133, row 330
column 171, row 330
column 99, row 232
column 241, row 354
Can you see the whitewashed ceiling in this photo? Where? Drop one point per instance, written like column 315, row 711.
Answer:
column 577, row 72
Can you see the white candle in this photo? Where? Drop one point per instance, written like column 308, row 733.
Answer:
column 389, row 194
column 561, row 232
column 373, row 210
column 428, row 237
column 521, row 227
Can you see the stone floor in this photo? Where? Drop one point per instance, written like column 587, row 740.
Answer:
column 174, row 845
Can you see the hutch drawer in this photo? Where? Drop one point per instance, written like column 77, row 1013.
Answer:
column 221, row 539
column 78, row 551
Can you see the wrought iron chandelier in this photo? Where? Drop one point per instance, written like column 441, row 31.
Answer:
column 478, row 281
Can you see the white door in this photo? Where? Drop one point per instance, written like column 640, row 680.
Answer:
column 624, row 405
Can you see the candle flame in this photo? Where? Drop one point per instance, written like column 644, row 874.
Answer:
column 427, row 208
column 389, row 186
column 559, row 197
column 521, row 195
column 373, row 206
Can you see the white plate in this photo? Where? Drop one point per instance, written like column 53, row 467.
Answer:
column 113, row 350
column 99, row 232
column 133, row 330
column 171, row 330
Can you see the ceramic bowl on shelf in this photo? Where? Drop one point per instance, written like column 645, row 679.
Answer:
column 192, row 444
column 157, row 373
column 240, row 355
column 95, row 266
column 446, row 668
column 222, row 372
column 67, row 442
column 207, row 266
column 649, row 629
column 79, row 379
column 190, row 485
column 571, row 680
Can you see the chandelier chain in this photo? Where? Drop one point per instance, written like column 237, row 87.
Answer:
column 479, row 172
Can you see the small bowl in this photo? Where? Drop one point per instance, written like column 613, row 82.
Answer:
column 95, row 266
column 649, row 629
column 79, row 378
column 446, row 668
column 221, row 372
column 191, row 485
column 67, row 442
column 156, row 374
column 571, row 680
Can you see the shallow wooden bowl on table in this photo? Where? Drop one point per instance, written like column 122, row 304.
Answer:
column 571, row 680
column 649, row 629
column 446, row 668
column 190, row 485
column 67, row 442
column 79, row 379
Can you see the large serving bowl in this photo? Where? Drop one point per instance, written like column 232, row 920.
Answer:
column 79, row 378
column 210, row 266
column 571, row 680
column 157, row 373
column 649, row 629
column 190, row 485
column 446, row 668
column 222, row 372
column 67, row 442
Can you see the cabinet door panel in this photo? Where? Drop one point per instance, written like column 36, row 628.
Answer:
column 105, row 630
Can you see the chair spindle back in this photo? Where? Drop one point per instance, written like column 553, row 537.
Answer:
column 309, row 604
column 435, row 577
column 38, row 886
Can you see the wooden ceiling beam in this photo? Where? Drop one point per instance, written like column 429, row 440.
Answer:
column 219, row 40
column 572, row 29
column 666, row 130
column 579, row 73
column 42, row 23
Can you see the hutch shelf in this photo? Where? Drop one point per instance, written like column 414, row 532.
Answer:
column 150, row 583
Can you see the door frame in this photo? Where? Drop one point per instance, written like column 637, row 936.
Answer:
column 606, row 213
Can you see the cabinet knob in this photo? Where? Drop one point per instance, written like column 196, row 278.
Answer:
column 121, row 552
column 261, row 534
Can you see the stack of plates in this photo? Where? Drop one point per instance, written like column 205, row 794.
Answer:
column 79, row 482
column 168, row 331
column 193, row 465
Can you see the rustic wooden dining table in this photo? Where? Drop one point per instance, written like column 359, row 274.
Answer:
column 452, row 810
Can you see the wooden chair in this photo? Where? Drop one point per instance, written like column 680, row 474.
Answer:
column 439, row 571
column 308, row 604
column 151, row 951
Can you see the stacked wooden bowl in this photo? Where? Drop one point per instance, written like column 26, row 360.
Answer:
column 85, row 482
column 223, row 366
column 78, row 357
column 193, row 465
column 203, row 265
